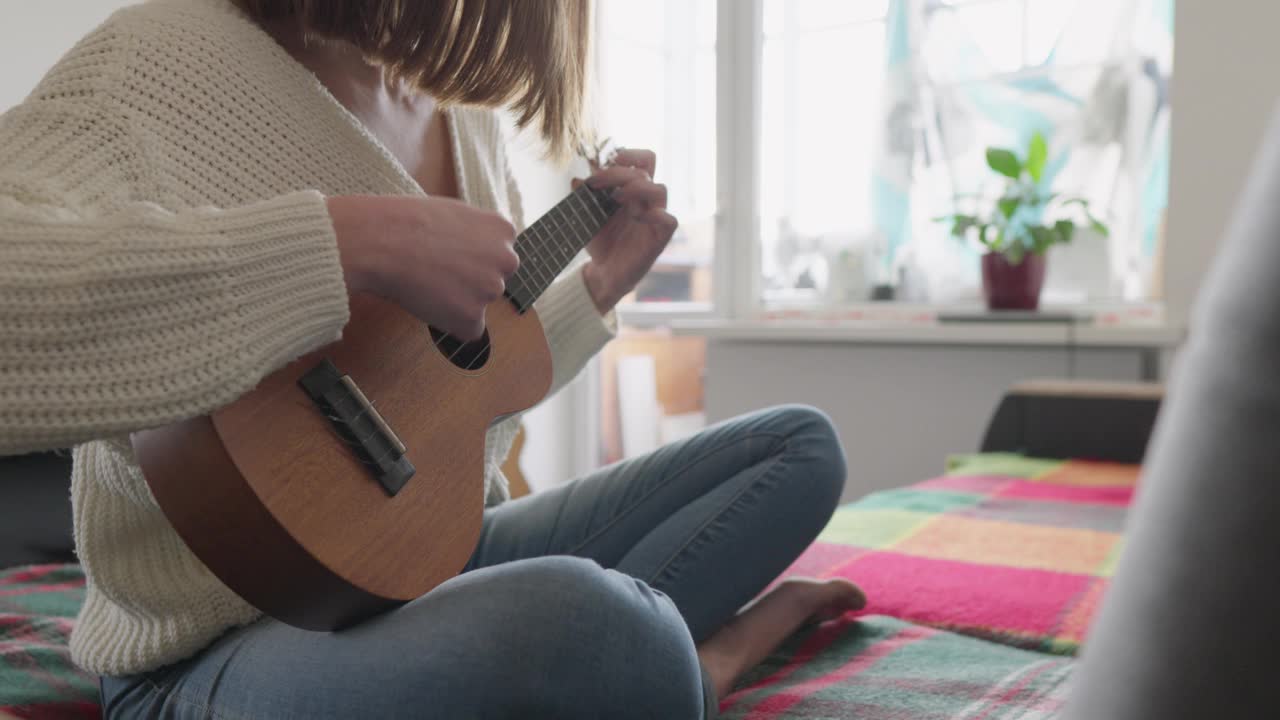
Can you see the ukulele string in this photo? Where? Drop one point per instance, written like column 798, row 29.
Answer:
column 336, row 422
column 601, row 155
column 531, row 249
column 532, row 246
column 359, row 442
column 557, row 233
column 532, row 252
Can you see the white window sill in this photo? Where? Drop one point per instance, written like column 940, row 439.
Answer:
column 924, row 329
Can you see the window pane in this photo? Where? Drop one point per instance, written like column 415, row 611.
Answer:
column 996, row 28
column 877, row 117
column 826, row 14
column 1046, row 20
column 1078, row 31
column 823, row 74
column 657, row 90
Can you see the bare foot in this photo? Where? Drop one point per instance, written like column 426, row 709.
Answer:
column 761, row 626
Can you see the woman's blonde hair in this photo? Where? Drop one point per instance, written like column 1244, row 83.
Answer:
column 530, row 55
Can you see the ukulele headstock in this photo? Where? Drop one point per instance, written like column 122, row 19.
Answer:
column 600, row 155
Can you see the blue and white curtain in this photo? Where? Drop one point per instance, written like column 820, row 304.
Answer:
column 1101, row 97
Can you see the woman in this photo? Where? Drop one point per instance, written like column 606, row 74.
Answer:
column 186, row 203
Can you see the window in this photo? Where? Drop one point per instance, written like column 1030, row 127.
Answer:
column 876, row 115
column 864, row 120
column 657, row 87
column 822, row 77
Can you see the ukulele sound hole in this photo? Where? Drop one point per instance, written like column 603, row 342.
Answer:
column 468, row 356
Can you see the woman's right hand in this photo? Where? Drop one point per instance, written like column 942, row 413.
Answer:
column 440, row 259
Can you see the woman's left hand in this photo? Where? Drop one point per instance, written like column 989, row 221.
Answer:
column 627, row 246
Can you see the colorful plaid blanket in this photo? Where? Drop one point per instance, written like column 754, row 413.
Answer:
column 1008, row 549
column 968, row 575
column 878, row 668
column 37, row 679
column 978, row 569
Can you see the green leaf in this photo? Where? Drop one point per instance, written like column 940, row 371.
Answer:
column 1042, row 239
column 1001, row 241
column 1014, row 253
column 1009, row 205
column 1098, row 227
column 1037, row 156
column 982, row 235
column 1004, row 162
column 1065, row 229
column 1094, row 223
column 960, row 224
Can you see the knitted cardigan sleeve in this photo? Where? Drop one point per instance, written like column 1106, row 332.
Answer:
column 117, row 315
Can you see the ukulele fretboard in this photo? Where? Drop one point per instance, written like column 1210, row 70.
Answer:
column 548, row 246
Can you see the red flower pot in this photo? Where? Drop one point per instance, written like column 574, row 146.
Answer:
column 1012, row 287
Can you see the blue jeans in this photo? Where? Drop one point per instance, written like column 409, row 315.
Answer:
column 584, row 601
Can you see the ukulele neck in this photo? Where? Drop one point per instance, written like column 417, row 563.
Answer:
column 549, row 245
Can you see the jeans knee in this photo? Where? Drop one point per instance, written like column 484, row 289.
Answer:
column 614, row 601
column 619, row 642
column 812, row 438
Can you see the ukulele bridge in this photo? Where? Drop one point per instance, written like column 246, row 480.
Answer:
column 359, row 425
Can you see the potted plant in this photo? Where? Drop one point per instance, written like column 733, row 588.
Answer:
column 1025, row 222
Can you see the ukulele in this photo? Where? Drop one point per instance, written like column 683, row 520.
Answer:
column 351, row 480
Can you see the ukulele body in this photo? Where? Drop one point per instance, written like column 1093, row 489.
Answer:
column 284, row 511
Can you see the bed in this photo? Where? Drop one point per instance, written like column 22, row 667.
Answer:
column 981, row 585
column 38, row 604
column 982, row 582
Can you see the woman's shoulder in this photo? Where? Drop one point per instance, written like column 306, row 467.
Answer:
column 144, row 46
column 212, row 15
column 161, row 33
column 177, row 23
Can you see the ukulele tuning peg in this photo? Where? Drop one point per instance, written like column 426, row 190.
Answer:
column 599, row 155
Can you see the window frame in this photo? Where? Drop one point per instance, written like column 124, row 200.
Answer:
column 736, row 260
column 735, row 255
column 739, row 75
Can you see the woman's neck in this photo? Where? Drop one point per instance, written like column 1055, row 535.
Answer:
column 398, row 115
column 343, row 69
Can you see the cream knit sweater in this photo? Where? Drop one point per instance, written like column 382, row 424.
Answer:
column 164, row 244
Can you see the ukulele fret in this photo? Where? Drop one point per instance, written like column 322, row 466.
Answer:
column 549, row 245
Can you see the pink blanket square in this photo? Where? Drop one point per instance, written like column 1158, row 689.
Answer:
column 951, row 593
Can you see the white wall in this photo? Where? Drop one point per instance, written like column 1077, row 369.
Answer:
column 35, row 33
column 901, row 410
column 1225, row 86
